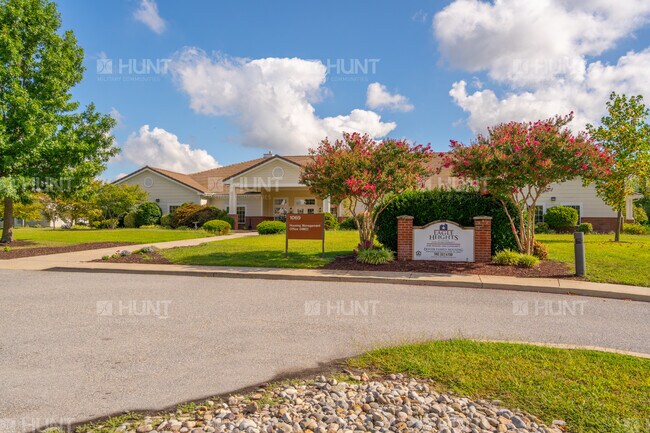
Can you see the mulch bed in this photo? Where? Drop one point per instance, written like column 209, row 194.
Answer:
column 546, row 269
column 152, row 258
column 16, row 252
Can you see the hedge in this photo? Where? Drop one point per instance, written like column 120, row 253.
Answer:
column 454, row 205
column 217, row 227
column 271, row 227
column 147, row 213
column 561, row 217
column 190, row 213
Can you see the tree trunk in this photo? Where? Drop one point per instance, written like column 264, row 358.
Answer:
column 8, row 222
column 619, row 222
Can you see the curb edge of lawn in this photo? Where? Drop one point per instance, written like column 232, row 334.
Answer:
column 551, row 286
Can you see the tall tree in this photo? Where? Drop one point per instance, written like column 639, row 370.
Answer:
column 626, row 136
column 47, row 143
column 518, row 161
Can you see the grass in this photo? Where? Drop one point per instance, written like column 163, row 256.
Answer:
column 46, row 237
column 625, row 262
column 592, row 391
column 266, row 251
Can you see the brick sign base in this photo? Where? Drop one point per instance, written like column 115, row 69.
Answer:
column 482, row 238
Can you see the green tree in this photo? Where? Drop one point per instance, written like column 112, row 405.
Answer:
column 625, row 134
column 29, row 210
column 47, row 143
column 365, row 175
column 115, row 200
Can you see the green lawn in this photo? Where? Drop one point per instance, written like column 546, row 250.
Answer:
column 62, row 237
column 625, row 262
column 266, row 251
column 593, row 392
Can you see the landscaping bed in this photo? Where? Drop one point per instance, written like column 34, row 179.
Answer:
column 546, row 268
column 20, row 249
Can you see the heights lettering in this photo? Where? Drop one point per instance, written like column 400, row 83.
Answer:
column 443, row 235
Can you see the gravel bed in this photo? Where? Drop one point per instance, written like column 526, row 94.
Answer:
column 355, row 405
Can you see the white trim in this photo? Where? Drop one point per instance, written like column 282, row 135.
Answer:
column 275, row 158
column 245, row 213
column 142, row 170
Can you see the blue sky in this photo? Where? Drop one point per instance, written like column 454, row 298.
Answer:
column 229, row 80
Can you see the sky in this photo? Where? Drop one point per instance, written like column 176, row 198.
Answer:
column 198, row 84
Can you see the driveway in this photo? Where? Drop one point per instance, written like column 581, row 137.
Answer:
column 76, row 346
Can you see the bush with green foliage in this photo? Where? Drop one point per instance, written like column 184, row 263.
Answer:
column 230, row 220
column 330, row 222
column 190, row 214
column 561, row 217
column 540, row 251
column 542, row 228
column 586, row 228
column 147, row 213
column 375, row 256
column 513, row 258
column 271, row 227
column 218, row 227
column 151, row 227
column 640, row 215
column 129, row 220
column 166, row 220
column 460, row 206
column 634, row 229
column 183, row 228
column 348, row 224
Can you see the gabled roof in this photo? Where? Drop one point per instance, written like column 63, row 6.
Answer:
column 183, row 179
column 229, row 171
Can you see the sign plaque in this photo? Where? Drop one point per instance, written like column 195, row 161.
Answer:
column 443, row 241
column 305, row 226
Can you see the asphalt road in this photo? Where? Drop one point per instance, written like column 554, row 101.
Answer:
column 76, row 346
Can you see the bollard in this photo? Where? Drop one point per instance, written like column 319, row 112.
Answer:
column 579, row 248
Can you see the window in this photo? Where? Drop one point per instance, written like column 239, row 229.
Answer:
column 172, row 208
column 310, row 202
column 576, row 207
column 301, row 210
column 310, row 210
column 539, row 214
column 279, row 201
column 241, row 214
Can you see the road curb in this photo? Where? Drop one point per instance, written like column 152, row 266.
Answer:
column 523, row 286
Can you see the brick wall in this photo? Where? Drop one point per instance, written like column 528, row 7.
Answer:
column 482, row 239
column 404, row 237
column 235, row 225
column 602, row 224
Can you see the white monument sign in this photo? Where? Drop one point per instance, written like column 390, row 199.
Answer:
column 444, row 241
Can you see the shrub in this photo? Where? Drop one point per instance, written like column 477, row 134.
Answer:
column 375, row 256
column 330, row 222
column 542, row 228
column 146, row 250
column 348, row 224
column 182, row 216
column 586, row 228
column 166, row 220
column 150, row 227
column 640, row 215
column 540, row 251
column 129, row 220
column 561, row 217
column 190, row 213
column 7, row 249
column 634, row 229
column 230, row 220
column 271, row 227
column 109, row 223
column 512, row 258
column 183, row 228
column 147, row 213
column 460, row 206
column 218, row 227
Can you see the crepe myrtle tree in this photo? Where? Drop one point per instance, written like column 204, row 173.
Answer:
column 359, row 171
column 47, row 142
column 518, row 161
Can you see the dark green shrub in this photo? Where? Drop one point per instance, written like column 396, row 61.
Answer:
column 330, row 222
column 208, row 213
column 190, row 214
column 166, row 220
column 561, row 217
column 348, row 224
column 634, row 229
column 586, row 228
column 129, row 220
column 512, row 258
column 217, row 227
column 271, row 227
column 440, row 204
column 230, row 220
column 147, row 214
column 542, row 228
column 375, row 256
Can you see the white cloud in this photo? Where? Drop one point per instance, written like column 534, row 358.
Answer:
column 119, row 176
column 147, row 13
column 542, row 52
column 119, row 118
column 525, row 42
column 379, row 98
column 271, row 99
column 162, row 149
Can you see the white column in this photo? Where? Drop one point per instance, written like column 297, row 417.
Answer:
column 232, row 200
column 326, row 204
column 629, row 208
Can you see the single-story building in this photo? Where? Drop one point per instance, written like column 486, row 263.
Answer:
column 269, row 187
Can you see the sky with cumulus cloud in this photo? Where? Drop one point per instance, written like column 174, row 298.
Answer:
column 199, row 84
